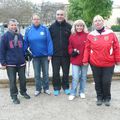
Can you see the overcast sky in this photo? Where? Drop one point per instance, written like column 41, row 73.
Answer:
column 116, row 2
column 39, row 1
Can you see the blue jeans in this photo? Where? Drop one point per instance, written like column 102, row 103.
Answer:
column 79, row 77
column 40, row 64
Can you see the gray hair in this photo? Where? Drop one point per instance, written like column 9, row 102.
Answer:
column 14, row 21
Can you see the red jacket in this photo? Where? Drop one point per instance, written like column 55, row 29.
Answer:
column 102, row 50
column 77, row 41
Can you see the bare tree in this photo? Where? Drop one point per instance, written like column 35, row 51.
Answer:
column 48, row 11
column 22, row 10
column 19, row 9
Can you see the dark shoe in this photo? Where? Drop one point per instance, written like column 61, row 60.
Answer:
column 16, row 101
column 107, row 102
column 25, row 95
column 99, row 102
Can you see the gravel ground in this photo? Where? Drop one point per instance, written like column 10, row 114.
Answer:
column 45, row 107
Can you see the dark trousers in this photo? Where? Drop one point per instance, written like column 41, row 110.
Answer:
column 12, row 73
column 103, row 77
column 64, row 63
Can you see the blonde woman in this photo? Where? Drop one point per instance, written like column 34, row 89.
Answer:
column 76, row 47
column 102, row 52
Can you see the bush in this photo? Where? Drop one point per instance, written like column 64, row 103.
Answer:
column 116, row 28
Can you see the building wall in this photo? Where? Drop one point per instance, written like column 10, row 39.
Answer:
column 113, row 18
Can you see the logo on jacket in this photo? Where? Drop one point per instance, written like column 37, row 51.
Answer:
column 19, row 44
column 95, row 38
column 106, row 38
column 42, row 33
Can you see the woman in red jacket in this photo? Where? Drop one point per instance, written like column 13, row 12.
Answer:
column 102, row 52
column 76, row 47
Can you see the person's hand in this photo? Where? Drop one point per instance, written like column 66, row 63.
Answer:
column 75, row 52
column 85, row 64
column 49, row 58
column 2, row 67
column 28, row 56
column 118, row 63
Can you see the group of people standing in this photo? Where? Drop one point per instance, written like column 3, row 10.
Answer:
column 62, row 44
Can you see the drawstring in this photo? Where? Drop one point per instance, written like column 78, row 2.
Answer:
column 15, row 40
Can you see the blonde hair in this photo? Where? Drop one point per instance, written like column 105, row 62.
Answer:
column 73, row 30
column 98, row 17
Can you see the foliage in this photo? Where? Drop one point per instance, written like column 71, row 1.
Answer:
column 115, row 28
column 87, row 9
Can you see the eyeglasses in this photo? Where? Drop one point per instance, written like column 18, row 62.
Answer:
column 59, row 14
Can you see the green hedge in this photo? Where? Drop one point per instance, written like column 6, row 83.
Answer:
column 116, row 28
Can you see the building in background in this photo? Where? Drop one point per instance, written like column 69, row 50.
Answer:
column 113, row 20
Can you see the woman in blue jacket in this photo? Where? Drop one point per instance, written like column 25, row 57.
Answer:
column 12, row 59
column 38, row 40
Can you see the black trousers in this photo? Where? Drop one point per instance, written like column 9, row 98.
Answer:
column 12, row 73
column 57, row 63
column 103, row 77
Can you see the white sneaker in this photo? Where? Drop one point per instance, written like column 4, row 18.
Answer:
column 71, row 97
column 82, row 95
column 47, row 92
column 37, row 93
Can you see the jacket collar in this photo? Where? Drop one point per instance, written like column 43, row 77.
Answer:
column 60, row 23
column 79, row 33
column 36, row 27
column 101, row 30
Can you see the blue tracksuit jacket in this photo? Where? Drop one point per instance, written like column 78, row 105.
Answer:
column 39, row 41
